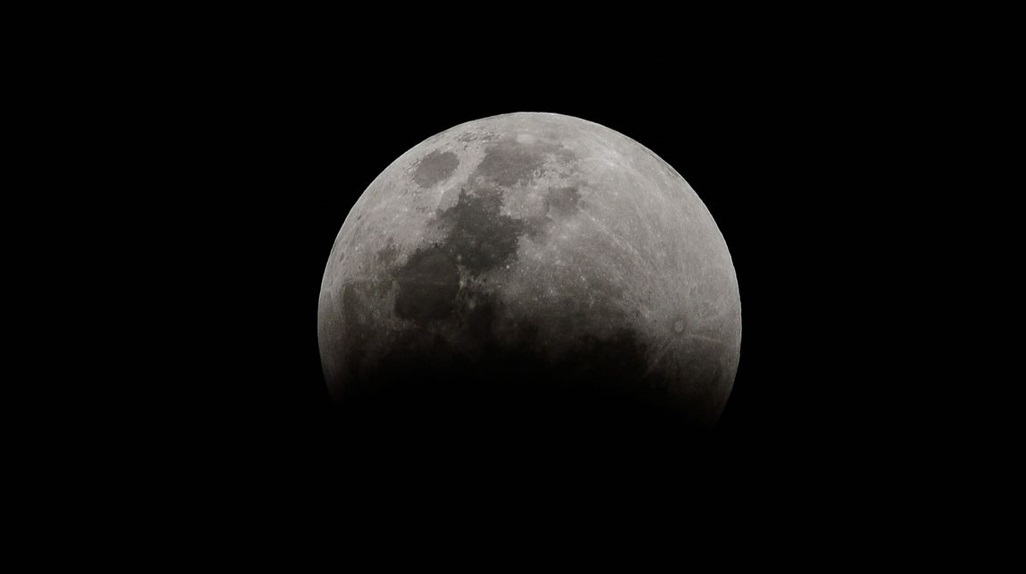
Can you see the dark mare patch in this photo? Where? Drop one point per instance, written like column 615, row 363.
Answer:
column 435, row 167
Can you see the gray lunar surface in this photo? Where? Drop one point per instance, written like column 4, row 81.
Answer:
column 532, row 251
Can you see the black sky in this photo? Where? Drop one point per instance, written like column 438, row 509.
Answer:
column 270, row 151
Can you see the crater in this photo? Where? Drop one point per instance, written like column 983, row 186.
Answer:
column 435, row 167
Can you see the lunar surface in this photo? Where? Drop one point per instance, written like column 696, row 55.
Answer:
column 526, row 264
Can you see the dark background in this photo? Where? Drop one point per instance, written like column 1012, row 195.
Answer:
column 222, row 153
column 269, row 149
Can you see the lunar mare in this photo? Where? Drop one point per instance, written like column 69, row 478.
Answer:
column 525, row 253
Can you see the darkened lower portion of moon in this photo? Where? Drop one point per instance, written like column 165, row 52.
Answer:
column 516, row 384
column 518, row 273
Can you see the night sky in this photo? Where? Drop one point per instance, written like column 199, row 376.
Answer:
column 274, row 150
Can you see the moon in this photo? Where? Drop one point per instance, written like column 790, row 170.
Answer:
column 530, row 265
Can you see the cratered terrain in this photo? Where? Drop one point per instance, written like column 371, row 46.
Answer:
column 529, row 268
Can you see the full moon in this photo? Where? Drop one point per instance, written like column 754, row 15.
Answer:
column 526, row 266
